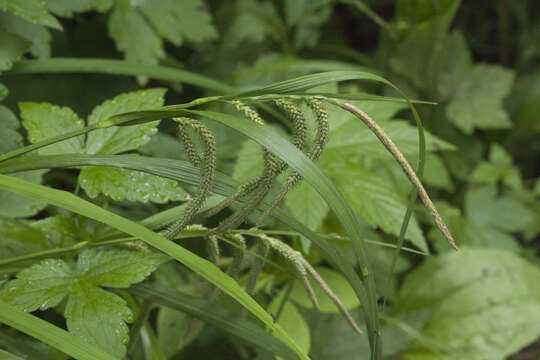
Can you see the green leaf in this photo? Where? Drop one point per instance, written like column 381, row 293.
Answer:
column 249, row 163
column 117, row 268
column 13, row 47
column 50, row 334
column 43, row 121
column 8, row 356
column 66, row 8
column 292, row 322
column 98, row 317
column 485, row 303
column 37, row 35
column 374, row 198
column 120, row 184
column 336, row 282
column 10, row 139
column 436, row 174
column 134, row 36
column 119, row 139
column 479, row 97
column 41, row 286
column 15, row 206
column 455, row 64
column 179, row 20
column 307, row 206
column 31, row 10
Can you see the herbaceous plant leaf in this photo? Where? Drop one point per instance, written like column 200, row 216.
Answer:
column 38, row 36
column 117, row 268
column 122, row 184
column 13, row 47
column 375, row 199
column 99, row 317
column 134, row 36
column 40, row 286
column 485, row 304
column 177, row 21
column 31, row 10
column 10, row 139
column 116, row 139
column 43, row 121
column 478, row 102
column 67, row 8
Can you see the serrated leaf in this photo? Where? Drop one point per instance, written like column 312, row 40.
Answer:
column 117, row 268
column 122, row 184
column 374, row 198
column 37, row 35
column 179, row 20
column 10, row 139
column 486, row 304
column 336, row 282
column 31, row 10
column 15, row 206
column 66, row 8
column 13, row 47
column 119, row 139
column 40, row 286
column 479, row 97
column 43, row 121
column 249, row 164
column 134, row 36
column 99, row 317
column 455, row 63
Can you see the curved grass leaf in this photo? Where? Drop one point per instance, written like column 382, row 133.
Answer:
column 50, row 334
column 118, row 67
column 199, row 265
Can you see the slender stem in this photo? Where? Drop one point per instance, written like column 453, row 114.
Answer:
column 402, row 161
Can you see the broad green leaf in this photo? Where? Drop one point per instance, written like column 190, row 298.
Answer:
column 479, row 97
column 120, row 184
column 67, row 8
column 134, row 36
column 43, row 121
column 332, row 337
column 41, row 286
column 498, row 168
column 179, row 20
column 455, row 64
column 60, row 230
column 253, row 22
column 13, row 47
column 98, row 317
column 292, row 322
column 38, row 36
column 306, row 22
column 249, row 164
column 485, row 303
column 163, row 146
column 336, row 282
column 15, row 206
column 31, row 10
column 117, row 268
column 374, row 198
column 119, row 139
column 50, row 334
column 307, row 206
column 10, row 139
column 436, row 174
